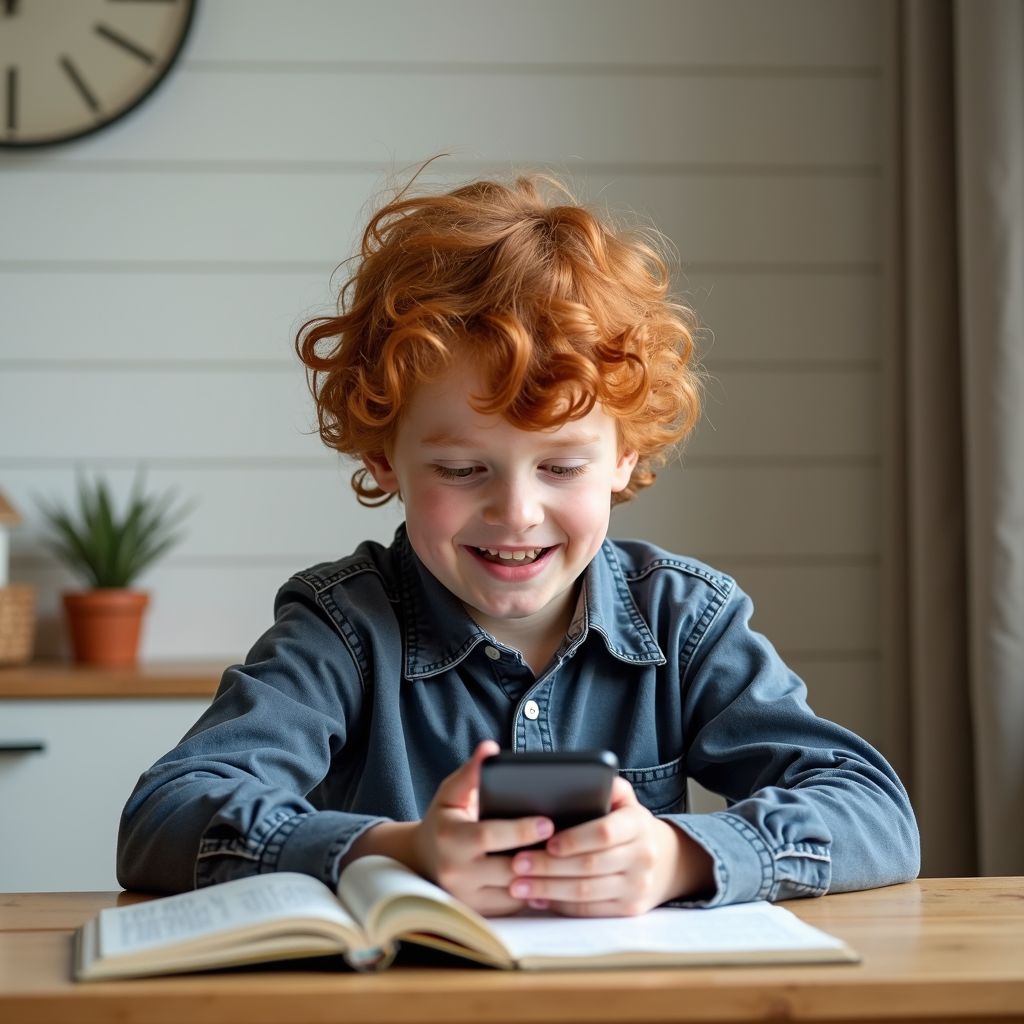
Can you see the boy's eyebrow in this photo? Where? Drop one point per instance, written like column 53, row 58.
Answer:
column 442, row 439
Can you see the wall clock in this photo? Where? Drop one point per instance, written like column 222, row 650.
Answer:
column 70, row 67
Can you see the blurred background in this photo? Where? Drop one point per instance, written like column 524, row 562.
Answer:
column 153, row 275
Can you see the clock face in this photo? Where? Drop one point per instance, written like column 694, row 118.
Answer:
column 68, row 67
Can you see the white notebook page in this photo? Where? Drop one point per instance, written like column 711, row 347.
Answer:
column 744, row 927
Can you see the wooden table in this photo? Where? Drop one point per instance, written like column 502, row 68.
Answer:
column 934, row 950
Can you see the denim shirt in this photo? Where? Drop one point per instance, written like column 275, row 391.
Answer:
column 374, row 684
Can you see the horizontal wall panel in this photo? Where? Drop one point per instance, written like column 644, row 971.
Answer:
column 294, row 516
column 752, row 318
column 815, row 609
column 195, row 612
column 543, row 116
column 202, row 315
column 309, row 514
column 140, row 415
column 268, row 413
column 159, row 316
column 767, row 318
column 847, row 692
column 785, row 220
column 180, row 217
column 193, row 412
column 771, row 317
column 756, row 413
column 213, row 611
column 771, row 512
column 251, row 315
column 786, row 32
column 209, row 217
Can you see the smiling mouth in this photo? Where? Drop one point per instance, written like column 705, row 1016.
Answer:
column 503, row 556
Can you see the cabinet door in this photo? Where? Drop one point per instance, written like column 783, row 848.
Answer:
column 60, row 806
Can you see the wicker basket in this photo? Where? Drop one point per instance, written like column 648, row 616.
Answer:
column 17, row 623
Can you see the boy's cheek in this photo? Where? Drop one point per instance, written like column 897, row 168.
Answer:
column 433, row 512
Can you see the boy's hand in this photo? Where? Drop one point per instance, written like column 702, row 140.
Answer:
column 619, row 865
column 450, row 845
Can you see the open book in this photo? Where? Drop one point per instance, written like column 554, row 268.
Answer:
column 380, row 902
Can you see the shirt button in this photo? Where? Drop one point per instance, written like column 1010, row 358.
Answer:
column 531, row 710
column 492, row 652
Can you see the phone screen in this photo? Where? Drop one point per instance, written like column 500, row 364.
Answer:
column 569, row 787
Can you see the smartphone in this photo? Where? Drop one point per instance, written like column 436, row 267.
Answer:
column 569, row 787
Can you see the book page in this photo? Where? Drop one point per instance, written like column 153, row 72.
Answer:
column 745, row 928
column 370, row 882
column 392, row 901
column 218, row 910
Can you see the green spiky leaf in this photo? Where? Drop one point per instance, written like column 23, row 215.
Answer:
column 111, row 551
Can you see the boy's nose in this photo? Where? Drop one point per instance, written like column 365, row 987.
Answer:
column 514, row 507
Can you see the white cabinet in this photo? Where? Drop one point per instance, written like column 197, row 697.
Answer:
column 60, row 807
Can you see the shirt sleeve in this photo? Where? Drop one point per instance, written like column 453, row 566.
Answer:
column 812, row 808
column 232, row 798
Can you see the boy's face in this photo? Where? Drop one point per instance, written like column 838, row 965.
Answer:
column 506, row 519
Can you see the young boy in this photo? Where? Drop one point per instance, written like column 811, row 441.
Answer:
column 511, row 367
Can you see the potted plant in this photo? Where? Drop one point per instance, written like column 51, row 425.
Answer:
column 109, row 553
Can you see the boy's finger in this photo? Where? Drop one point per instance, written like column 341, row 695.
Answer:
column 599, row 889
column 459, row 789
column 613, row 829
column 540, row 864
column 469, row 840
column 467, row 863
column 492, row 872
column 499, row 834
column 622, row 794
column 496, row 902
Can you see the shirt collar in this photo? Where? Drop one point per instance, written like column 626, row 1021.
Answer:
column 609, row 610
column 440, row 633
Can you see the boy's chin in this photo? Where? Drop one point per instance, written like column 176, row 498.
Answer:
column 503, row 611
column 505, row 606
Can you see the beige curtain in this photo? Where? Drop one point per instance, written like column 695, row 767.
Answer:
column 990, row 132
column 953, row 469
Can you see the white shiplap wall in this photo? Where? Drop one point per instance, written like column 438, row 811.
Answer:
column 151, row 279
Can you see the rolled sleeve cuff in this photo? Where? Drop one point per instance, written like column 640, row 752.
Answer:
column 743, row 865
column 315, row 844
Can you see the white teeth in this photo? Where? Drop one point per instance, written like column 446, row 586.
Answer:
column 514, row 556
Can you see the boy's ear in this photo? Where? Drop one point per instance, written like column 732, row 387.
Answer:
column 624, row 470
column 382, row 471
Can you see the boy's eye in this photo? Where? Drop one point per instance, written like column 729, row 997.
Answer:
column 566, row 471
column 454, row 472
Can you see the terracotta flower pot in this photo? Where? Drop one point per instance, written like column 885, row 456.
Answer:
column 105, row 625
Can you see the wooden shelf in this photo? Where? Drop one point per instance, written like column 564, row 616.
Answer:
column 42, row 680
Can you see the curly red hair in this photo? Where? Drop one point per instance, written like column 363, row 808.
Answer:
column 557, row 310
